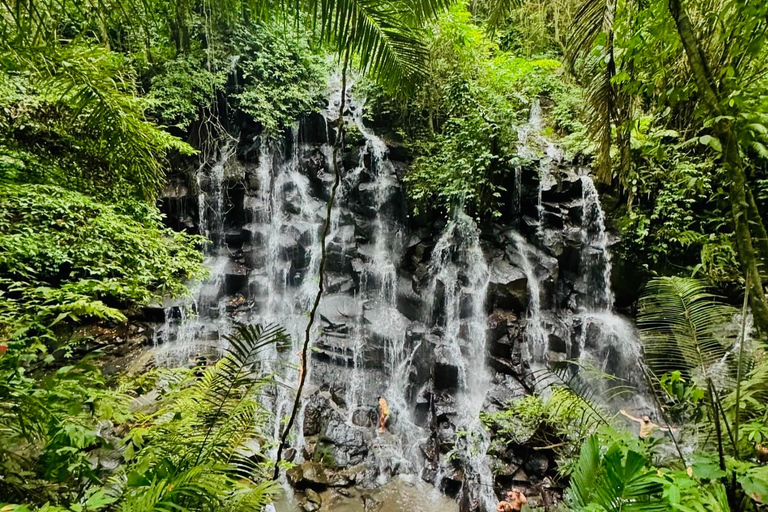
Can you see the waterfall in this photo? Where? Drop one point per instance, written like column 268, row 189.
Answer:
column 606, row 340
column 586, row 324
column 382, row 323
column 413, row 334
column 596, row 257
column 459, row 269
column 456, row 304
column 535, row 331
column 188, row 326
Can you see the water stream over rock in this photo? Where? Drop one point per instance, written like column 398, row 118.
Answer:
column 444, row 319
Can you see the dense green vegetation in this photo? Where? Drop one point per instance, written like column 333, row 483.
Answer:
column 96, row 100
column 72, row 443
column 666, row 99
column 710, row 381
column 461, row 121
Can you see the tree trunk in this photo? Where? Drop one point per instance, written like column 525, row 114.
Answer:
column 732, row 161
column 755, row 221
column 180, row 27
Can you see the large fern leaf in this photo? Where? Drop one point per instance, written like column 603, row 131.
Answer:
column 681, row 326
column 235, row 374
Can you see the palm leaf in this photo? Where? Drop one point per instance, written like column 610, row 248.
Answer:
column 593, row 20
column 587, row 384
column 614, row 481
column 235, row 372
column 585, row 474
column 498, row 11
column 382, row 34
column 681, row 326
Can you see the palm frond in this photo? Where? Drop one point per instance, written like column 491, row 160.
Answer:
column 594, row 17
column 613, row 481
column 593, row 21
column 681, row 326
column 499, row 11
column 564, row 375
column 98, row 107
column 383, row 35
column 585, row 474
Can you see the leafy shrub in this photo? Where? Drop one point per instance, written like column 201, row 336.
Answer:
column 183, row 89
column 64, row 255
column 676, row 218
column 279, row 76
column 463, row 165
column 50, row 425
column 561, row 420
column 198, row 445
column 461, row 123
column 74, row 109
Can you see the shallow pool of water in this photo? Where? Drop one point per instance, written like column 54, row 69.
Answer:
column 402, row 493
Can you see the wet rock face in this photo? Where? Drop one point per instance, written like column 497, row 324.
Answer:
column 386, row 313
column 508, row 287
column 309, row 475
column 349, row 443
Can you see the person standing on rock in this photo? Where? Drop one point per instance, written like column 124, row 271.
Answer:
column 383, row 413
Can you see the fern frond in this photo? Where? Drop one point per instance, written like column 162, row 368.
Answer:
column 235, row 371
column 382, row 34
column 681, row 326
column 563, row 375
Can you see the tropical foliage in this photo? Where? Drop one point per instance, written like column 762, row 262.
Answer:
column 665, row 99
column 462, row 122
column 676, row 90
column 190, row 438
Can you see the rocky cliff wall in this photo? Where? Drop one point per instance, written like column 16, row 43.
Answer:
column 441, row 316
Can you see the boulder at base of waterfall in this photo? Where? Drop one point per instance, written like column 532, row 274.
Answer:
column 308, row 475
column 318, row 411
column 348, row 442
column 313, row 497
column 452, row 481
column 446, row 436
column 507, row 287
column 364, row 416
column 499, row 324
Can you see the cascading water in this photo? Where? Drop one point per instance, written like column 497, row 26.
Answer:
column 591, row 331
column 457, row 292
column 459, row 269
column 535, row 332
column 431, row 367
column 596, row 257
column 381, row 322
column 189, row 324
column 286, row 226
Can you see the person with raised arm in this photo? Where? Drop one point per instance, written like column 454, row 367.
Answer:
column 647, row 427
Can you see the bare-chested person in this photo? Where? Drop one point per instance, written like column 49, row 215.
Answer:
column 383, row 413
column 647, row 427
column 514, row 502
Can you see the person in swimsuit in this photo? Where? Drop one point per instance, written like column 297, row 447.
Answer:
column 647, row 427
column 383, row 413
